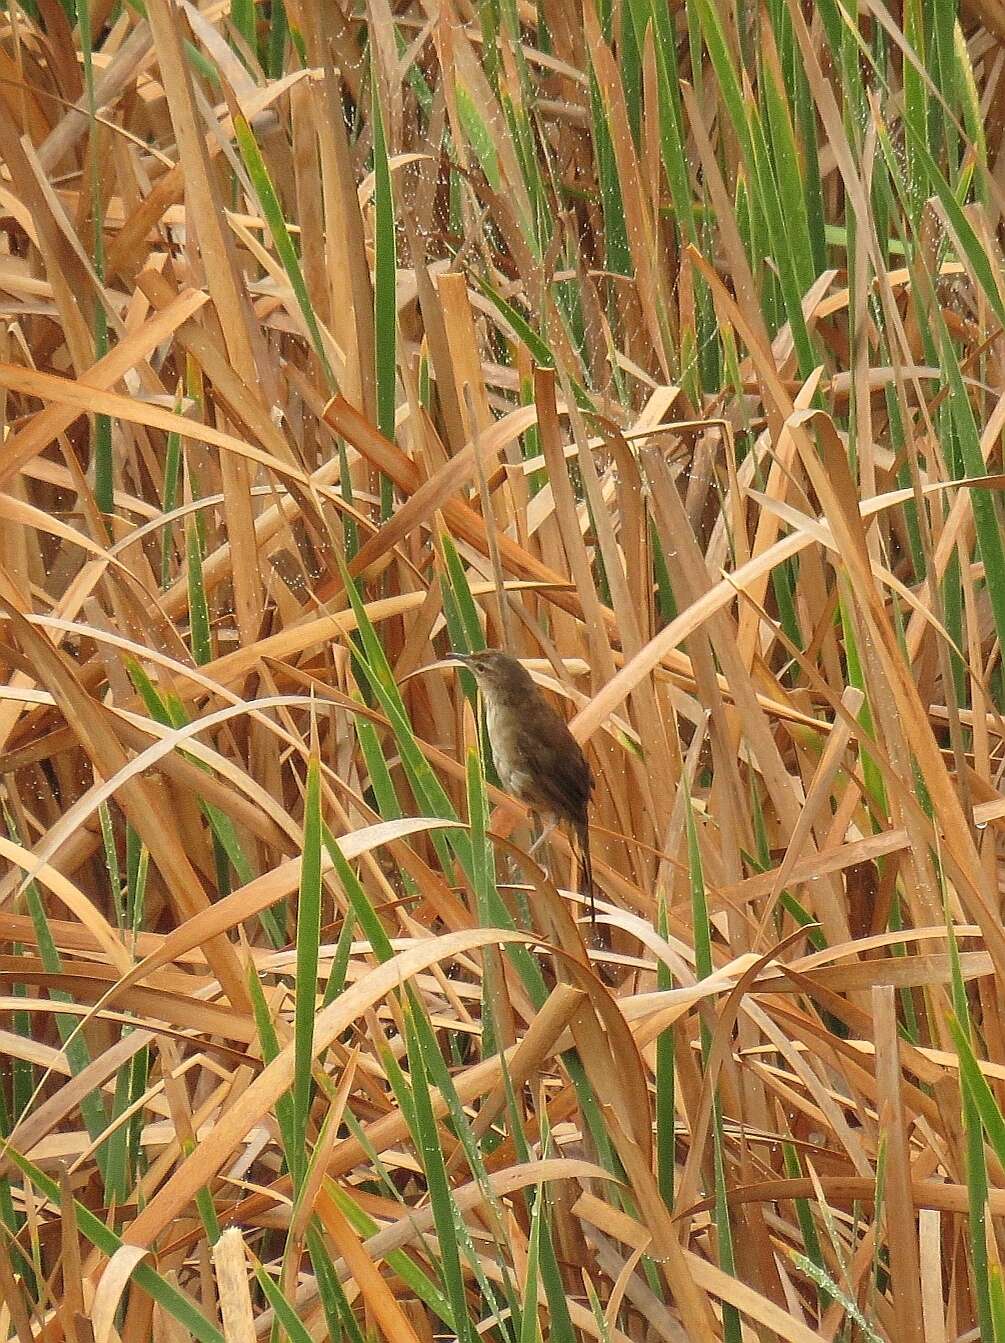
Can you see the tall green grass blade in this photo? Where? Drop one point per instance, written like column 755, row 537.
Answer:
column 980, row 1092
column 362, row 909
column 781, row 141
column 308, row 940
column 530, row 1324
column 665, row 1108
column 703, row 968
column 377, row 771
column 338, row 1312
column 986, row 514
column 340, row 963
column 827, row 1285
column 618, row 254
column 479, row 138
column 203, row 1200
column 269, row 1045
column 281, row 239
column 278, row 32
column 78, row 1056
column 286, row 1314
column 104, row 480
column 200, row 637
column 22, row 1070
column 466, row 606
column 242, row 16
column 976, row 1162
column 172, row 472
column 996, row 1284
column 429, row 792
column 111, row 863
column 450, row 1229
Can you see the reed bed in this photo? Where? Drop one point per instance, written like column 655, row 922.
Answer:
column 662, row 345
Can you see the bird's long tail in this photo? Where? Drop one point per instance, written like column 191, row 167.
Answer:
column 586, row 865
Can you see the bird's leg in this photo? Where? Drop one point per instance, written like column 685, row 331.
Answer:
column 544, row 835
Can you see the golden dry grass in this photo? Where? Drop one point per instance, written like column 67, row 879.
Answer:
column 662, row 347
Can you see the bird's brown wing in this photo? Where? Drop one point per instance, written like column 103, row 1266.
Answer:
column 561, row 771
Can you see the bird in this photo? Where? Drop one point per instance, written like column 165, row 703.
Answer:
column 538, row 759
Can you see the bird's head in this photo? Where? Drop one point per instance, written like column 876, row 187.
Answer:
column 495, row 670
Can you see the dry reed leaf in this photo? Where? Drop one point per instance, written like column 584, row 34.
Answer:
column 108, row 757
column 469, row 1196
column 33, row 1126
column 231, row 1266
column 147, row 759
column 108, row 1292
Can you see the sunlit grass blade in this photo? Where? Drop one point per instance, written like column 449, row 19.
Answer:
column 828, row 1286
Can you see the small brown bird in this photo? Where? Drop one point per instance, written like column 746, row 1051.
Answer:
column 538, row 759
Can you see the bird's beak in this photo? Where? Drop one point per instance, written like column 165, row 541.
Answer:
column 462, row 658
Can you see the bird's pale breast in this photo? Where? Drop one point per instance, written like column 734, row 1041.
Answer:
column 506, row 753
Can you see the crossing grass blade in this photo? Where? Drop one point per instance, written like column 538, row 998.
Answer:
column 445, row 1213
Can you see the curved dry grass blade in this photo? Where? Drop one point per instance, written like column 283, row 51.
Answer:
column 108, row 1293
